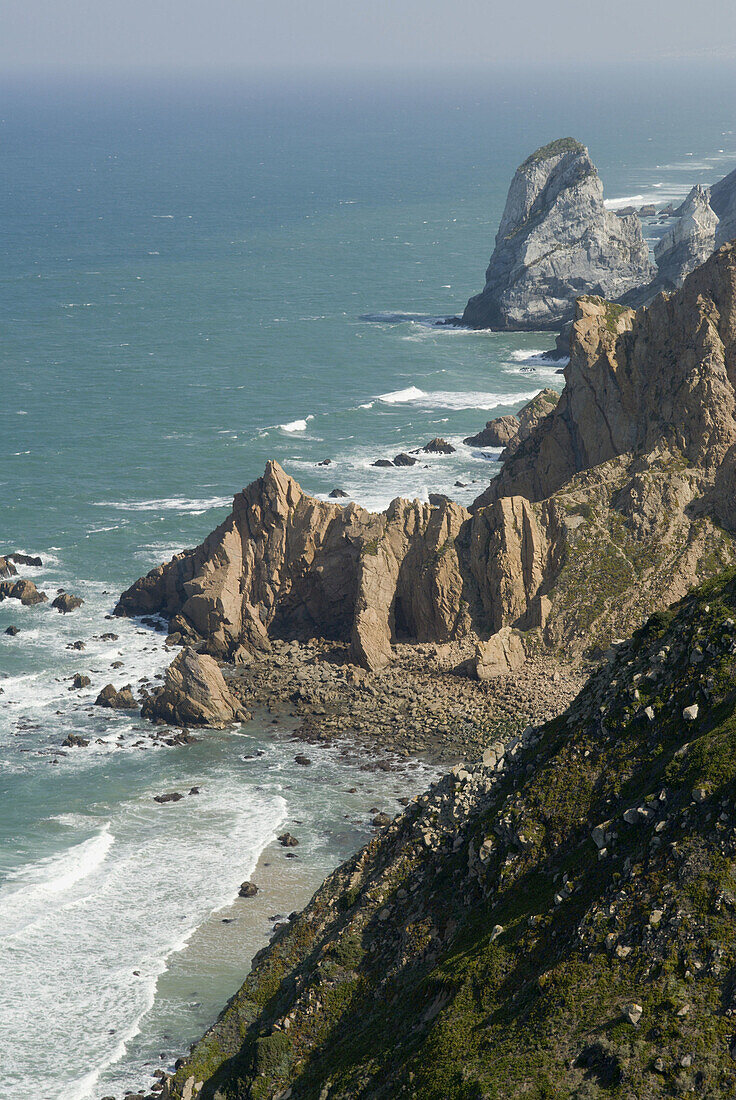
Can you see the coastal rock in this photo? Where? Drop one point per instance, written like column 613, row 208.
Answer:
column 438, row 446
column 194, row 694
column 286, row 840
column 723, row 203
column 338, row 494
column 555, row 242
column 529, row 417
column 383, row 463
column 81, row 681
column 171, row 796
column 497, row 433
column 12, row 631
column 25, row 559
column 65, row 602
column 404, row 460
column 688, row 243
column 247, row 890
column 74, row 741
column 116, row 700
column 7, row 569
column 23, row 590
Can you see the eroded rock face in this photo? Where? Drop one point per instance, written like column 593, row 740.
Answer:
column 557, row 241
column 689, row 243
column 497, row 433
column 194, row 694
column 7, row 569
column 723, row 202
column 503, row 652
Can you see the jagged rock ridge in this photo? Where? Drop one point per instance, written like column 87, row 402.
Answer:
column 620, row 499
column 555, row 242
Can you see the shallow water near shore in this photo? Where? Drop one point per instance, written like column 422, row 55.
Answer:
column 197, row 279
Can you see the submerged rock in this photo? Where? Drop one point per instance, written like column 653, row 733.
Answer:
column 194, row 694
column 557, row 241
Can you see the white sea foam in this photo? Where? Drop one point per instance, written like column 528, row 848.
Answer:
column 450, row 399
column 296, row 425
column 166, row 504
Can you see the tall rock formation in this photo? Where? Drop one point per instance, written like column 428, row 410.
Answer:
column 557, row 241
column 689, row 242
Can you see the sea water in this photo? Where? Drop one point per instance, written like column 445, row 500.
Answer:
column 196, row 277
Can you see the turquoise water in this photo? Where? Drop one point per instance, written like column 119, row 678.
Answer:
column 196, row 278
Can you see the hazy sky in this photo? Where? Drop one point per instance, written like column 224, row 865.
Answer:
column 272, row 34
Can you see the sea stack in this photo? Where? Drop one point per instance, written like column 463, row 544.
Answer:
column 557, row 241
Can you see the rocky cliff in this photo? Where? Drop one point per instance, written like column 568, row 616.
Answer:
column 723, row 202
column 555, row 242
column 556, row 920
column 617, row 502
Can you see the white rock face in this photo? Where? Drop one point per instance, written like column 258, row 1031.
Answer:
column 557, row 241
column 690, row 241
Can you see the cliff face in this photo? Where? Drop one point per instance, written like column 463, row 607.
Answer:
column 556, row 241
column 556, row 920
column 723, row 202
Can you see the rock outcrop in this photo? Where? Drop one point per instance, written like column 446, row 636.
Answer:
column 7, row 569
column 194, row 694
column 689, row 243
column 556, row 919
column 555, row 242
column 66, row 602
column 497, row 433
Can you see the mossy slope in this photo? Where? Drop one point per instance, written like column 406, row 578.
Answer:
column 499, row 938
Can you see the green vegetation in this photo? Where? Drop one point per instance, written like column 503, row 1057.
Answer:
column 554, row 149
column 498, row 959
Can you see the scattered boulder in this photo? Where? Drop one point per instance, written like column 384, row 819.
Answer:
column 300, row 758
column 171, row 796
column 438, row 446
column 325, row 462
column 382, row 462
column 338, row 494
column 81, row 681
column 65, row 602
column 381, row 820
column 116, row 700
column 403, row 459
column 79, row 645
column 247, row 890
column 194, row 694
column 632, row 1012
column 286, row 840
column 12, row 631
column 108, row 637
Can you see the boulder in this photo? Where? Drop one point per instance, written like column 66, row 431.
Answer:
column 12, row 631
column 116, row 700
column 286, row 840
column 23, row 590
column 338, row 494
column 65, row 602
column 404, row 460
column 81, row 681
column 503, row 652
column 194, row 694
column 384, row 463
column 247, row 890
column 556, row 241
column 170, row 796
column 438, row 446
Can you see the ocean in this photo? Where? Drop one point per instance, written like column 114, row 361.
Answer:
column 199, row 275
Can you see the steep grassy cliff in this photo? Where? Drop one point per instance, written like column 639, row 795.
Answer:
column 559, row 920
